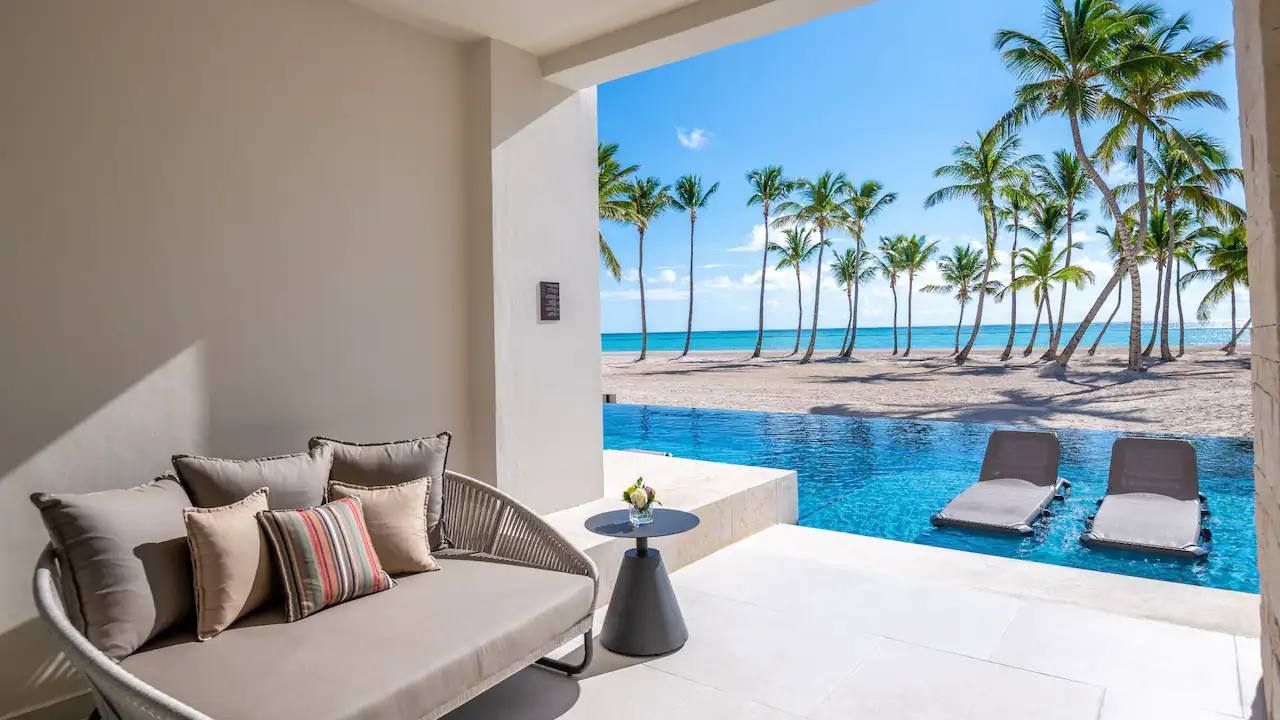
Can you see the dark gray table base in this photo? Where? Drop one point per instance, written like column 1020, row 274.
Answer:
column 644, row 617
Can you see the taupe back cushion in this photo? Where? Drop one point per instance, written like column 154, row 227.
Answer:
column 1023, row 454
column 293, row 482
column 394, row 463
column 124, row 556
column 1154, row 465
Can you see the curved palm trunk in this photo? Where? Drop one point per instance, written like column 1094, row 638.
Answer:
column 1165, row 353
column 1231, row 346
column 963, row 355
column 817, row 295
column 853, row 321
column 857, row 274
column 1094, row 348
column 911, row 281
column 958, row 326
column 688, row 333
column 799, row 311
column 1035, row 329
column 1064, row 357
column 1048, row 309
column 764, row 268
column 1236, row 336
column 893, row 286
column 1127, row 243
column 1056, row 336
column 1155, row 317
column 844, row 345
column 644, row 325
column 1013, row 295
column 1182, row 328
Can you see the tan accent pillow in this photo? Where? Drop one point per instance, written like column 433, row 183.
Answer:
column 231, row 562
column 395, row 517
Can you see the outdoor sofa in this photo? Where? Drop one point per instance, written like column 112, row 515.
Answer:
column 510, row 590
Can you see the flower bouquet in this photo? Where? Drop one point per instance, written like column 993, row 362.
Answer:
column 640, row 499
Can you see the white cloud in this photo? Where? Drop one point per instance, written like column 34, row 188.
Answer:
column 713, row 266
column 667, row 275
column 650, row 295
column 695, row 139
column 755, row 242
column 1119, row 174
column 631, row 275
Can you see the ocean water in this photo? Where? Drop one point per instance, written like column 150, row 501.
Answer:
column 879, row 338
column 884, row 477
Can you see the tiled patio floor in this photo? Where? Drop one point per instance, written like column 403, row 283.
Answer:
column 790, row 623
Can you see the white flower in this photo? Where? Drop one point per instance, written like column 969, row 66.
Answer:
column 639, row 497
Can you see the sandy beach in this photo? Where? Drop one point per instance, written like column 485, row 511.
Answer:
column 1203, row 393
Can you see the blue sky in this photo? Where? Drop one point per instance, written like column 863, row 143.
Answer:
column 881, row 92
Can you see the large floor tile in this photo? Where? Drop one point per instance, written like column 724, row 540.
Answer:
column 944, row 617
column 628, row 693
column 1249, row 660
column 783, row 660
column 1188, row 667
column 1122, row 705
column 907, row 682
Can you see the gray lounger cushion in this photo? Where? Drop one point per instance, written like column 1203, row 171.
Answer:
column 293, row 482
column 1153, row 499
column 1019, row 479
column 397, row 655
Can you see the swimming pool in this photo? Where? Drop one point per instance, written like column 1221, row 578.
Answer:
column 884, row 477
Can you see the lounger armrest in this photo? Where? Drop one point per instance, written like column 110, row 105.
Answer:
column 481, row 519
column 125, row 696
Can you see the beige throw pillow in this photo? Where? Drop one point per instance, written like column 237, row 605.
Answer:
column 394, row 515
column 231, row 562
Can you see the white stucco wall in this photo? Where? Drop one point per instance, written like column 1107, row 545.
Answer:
column 224, row 227
column 539, row 171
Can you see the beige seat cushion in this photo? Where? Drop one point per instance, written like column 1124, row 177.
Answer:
column 230, row 560
column 396, row 518
column 396, row 655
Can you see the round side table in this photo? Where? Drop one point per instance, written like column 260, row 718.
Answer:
column 644, row 617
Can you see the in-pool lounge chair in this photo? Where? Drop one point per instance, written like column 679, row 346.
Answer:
column 1153, row 501
column 1019, row 479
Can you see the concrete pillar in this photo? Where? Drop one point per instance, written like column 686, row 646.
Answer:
column 1258, row 69
column 537, row 383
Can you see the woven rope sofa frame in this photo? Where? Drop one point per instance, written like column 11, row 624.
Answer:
column 480, row 521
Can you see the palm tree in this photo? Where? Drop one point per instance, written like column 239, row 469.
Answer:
column 613, row 179
column 914, row 252
column 646, row 199
column 1019, row 198
column 769, row 187
column 1066, row 183
column 869, row 200
column 1117, row 261
column 1177, row 179
column 962, row 278
column 1048, row 220
column 978, row 171
column 825, row 204
column 889, row 265
column 691, row 197
column 852, row 268
column 1069, row 72
column 796, row 250
column 1227, row 266
column 1043, row 266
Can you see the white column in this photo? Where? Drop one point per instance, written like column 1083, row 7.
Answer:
column 533, row 188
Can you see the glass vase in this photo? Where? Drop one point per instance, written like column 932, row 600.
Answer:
column 639, row 516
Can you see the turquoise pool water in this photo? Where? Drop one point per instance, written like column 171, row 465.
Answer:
column 884, row 477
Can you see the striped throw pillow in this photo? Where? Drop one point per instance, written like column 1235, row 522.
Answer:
column 324, row 556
